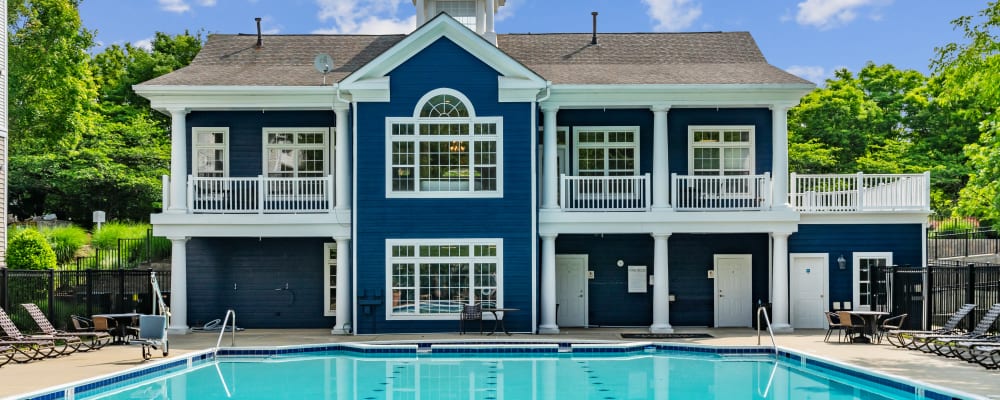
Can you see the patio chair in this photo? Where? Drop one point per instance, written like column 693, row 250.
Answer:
column 853, row 325
column 94, row 340
column 152, row 334
column 833, row 324
column 904, row 338
column 890, row 324
column 942, row 344
column 470, row 312
column 70, row 344
column 82, row 324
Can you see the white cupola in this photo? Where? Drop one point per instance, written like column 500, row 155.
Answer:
column 477, row 15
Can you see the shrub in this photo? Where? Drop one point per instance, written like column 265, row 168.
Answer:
column 107, row 237
column 28, row 249
column 66, row 241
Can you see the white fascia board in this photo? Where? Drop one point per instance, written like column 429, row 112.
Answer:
column 252, row 225
column 866, row 218
column 714, row 95
column 667, row 222
column 371, row 90
column 518, row 89
column 441, row 26
column 166, row 97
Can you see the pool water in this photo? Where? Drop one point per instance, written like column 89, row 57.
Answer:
column 643, row 375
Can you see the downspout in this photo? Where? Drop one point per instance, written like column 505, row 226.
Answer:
column 548, row 92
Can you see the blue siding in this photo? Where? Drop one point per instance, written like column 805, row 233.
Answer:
column 903, row 240
column 643, row 118
column 443, row 65
column 679, row 119
column 257, row 267
column 246, row 140
column 690, row 258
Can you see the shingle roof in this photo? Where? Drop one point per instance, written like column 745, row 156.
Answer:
column 563, row 58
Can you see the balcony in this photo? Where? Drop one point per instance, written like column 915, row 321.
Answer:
column 605, row 193
column 720, row 193
column 860, row 193
column 257, row 195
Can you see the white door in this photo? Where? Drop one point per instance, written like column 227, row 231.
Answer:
column 733, row 302
column 808, row 277
column 571, row 290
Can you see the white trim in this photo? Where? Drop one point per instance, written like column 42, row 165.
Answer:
column 326, row 146
column 535, row 267
column 677, row 95
column 329, row 267
column 575, row 166
column 417, row 259
column 448, row 92
column 824, row 276
column 209, row 98
column 195, row 147
column 722, row 144
column 856, row 274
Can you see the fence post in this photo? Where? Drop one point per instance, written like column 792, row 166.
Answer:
column 4, row 280
column 52, row 294
column 928, row 298
column 90, row 291
column 121, row 292
column 970, row 293
column 968, row 236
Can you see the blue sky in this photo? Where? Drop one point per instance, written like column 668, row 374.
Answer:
column 810, row 38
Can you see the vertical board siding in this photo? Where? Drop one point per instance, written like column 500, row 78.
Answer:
column 679, row 119
column 377, row 218
column 257, row 267
column 246, row 134
column 690, row 257
column 905, row 241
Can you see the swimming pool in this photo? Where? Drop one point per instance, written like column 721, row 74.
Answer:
column 492, row 371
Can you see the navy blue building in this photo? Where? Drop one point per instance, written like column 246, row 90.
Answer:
column 382, row 183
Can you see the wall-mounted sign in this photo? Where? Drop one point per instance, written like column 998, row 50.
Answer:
column 637, row 279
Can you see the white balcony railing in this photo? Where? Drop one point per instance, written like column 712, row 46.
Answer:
column 259, row 195
column 860, row 192
column 605, row 193
column 720, row 193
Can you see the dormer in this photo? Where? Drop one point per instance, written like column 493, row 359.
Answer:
column 477, row 15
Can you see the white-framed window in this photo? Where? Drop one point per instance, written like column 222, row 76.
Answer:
column 210, row 153
column 330, row 273
column 296, row 152
column 434, row 278
column 444, row 150
column 720, row 150
column 463, row 11
column 864, row 276
column 606, row 150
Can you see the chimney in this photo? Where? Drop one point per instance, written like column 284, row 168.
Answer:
column 260, row 40
column 593, row 40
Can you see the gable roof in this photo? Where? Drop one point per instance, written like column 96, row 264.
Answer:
column 562, row 58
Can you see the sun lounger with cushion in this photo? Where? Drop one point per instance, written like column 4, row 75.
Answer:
column 936, row 343
column 90, row 340
column 69, row 344
column 904, row 338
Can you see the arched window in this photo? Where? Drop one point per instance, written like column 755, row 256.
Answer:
column 444, row 149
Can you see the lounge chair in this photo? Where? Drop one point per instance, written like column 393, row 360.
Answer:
column 890, row 324
column 833, row 324
column 22, row 351
column 471, row 312
column 987, row 355
column 89, row 340
column 6, row 354
column 152, row 334
column 904, row 338
column 943, row 344
column 70, row 344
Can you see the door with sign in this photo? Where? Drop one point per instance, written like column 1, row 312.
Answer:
column 808, row 289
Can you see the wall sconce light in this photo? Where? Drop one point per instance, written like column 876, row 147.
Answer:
column 842, row 262
column 620, row 263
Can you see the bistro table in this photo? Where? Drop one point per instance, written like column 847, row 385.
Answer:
column 123, row 321
column 871, row 323
column 498, row 317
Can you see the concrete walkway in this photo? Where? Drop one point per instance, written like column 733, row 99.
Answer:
column 23, row 378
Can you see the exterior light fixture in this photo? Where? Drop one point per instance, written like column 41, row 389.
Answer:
column 842, row 262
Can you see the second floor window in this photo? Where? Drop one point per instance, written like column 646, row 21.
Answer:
column 296, row 152
column 210, row 152
column 721, row 150
column 607, row 151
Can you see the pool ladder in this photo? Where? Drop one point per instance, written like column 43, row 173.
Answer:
column 761, row 311
column 225, row 322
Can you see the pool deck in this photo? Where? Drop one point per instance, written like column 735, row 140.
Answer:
column 16, row 379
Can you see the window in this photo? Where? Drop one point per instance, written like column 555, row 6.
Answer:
column 865, row 279
column 435, row 278
column 330, row 272
column 444, row 150
column 723, row 150
column 463, row 11
column 210, row 156
column 607, row 151
column 296, row 152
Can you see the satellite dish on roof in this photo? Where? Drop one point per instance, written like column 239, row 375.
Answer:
column 324, row 64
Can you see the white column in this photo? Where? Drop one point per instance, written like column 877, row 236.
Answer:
column 344, row 304
column 661, row 173
column 421, row 13
column 779, row 160
column 480, row 17
column 550, row 157
column 178, row 285
column 490, row 33
column 178, row 161
column 661, row 290
column 342, row 166
column 548, row 325
column 779, row 283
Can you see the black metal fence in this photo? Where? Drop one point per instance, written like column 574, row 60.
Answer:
column 943, row 244
column 943, row 286
column 61, row 294
column 129, row 253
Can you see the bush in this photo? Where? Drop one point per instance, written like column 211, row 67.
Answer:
column 66, row 241
column 28, row 249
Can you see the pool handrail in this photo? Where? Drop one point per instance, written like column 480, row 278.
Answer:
column 763, row 311
column 222, row 331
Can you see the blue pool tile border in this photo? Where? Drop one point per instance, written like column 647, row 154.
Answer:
column 808, row 362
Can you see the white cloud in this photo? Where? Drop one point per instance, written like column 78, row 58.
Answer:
column 507, row 11
column 826, row 14
column 176, row 6
column 364, row 16
column 673, row 15
column 146, row 44
column 812, row 73
column 206, row 3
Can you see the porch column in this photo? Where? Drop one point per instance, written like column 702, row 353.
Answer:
column 490, row 33
column 661, row 299
column 779, row 162
column 661, row 173
column 178, row 285
column 178, row 161
column 342, row 168
column 548, row 325
column 344, row 304
column 550, row 168
column 779, row 283
column 421, row 13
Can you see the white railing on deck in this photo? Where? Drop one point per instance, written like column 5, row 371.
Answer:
column 605, row 193
column 720, row 193
column 860, row 192
column 259, row 195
